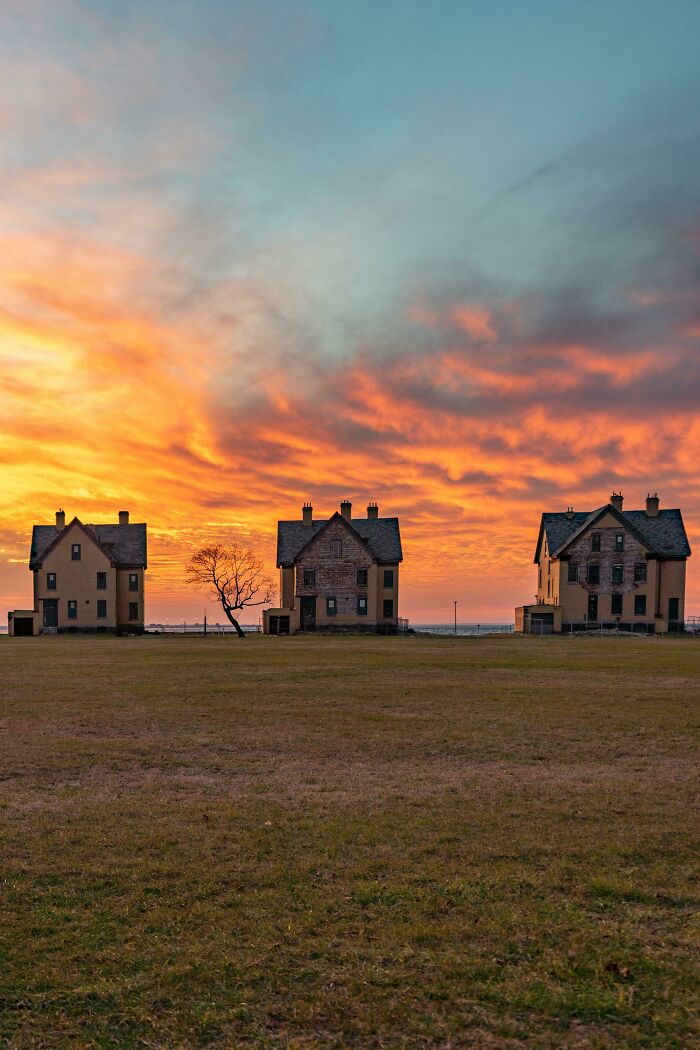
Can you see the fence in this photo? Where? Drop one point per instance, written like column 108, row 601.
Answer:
column 464, row 628
column 201, row 628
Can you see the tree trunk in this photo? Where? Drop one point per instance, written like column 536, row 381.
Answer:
column 239, row 630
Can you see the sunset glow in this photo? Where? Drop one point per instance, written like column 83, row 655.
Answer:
column 224, row 292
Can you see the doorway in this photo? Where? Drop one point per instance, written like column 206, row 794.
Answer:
column 307, row 609
column 50, row 612
column 592, row 608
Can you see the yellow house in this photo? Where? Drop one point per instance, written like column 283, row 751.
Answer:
column 89, row 577
column 610, row 567
column 339, row 573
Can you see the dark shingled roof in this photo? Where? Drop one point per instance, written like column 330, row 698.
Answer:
column 664, row 535
column 380, row 534
column 124, row 544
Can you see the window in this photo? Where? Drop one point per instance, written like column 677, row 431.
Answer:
column 133, row 581
column 620, row 541
column 595, row 541
column 673, row 609
column 72, row 610
column 362, row 577
column 594, row 572
column 361, row 606
column 133, row 610
column 388, row 577
column 573, row 572
column 640, row 604
column 331, row 605
column 50, row 581
column 75, row 552
column 101, row 608
column 618, row 573
column 616, row 605
column 388, row 607
column 336, row 548
column 309, row 577
column 640, row 572
column 102, row 581
column 540, row 578
column 549, row 588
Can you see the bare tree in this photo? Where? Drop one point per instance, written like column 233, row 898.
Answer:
column 235, row 578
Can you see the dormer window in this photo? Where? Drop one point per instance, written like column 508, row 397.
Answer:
column 595, row 541
column 620, row 541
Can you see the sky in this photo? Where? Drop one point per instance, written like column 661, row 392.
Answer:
column 443, row 256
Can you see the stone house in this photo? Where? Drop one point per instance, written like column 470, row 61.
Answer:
column 87, row 578
column 339, row 573
column 611, row 567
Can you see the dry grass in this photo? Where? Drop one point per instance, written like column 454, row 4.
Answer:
column 365, row 842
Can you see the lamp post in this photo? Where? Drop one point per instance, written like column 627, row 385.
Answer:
column 455, row 618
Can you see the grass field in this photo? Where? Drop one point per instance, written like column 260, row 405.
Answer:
column 352, row 842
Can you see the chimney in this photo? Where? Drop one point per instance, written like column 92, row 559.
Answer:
column 569, row 513
column 123, row 517
column 307, row 514
column 653, row 506
column 345, row 508
column 372, row 511
column 616, row 500
column 60, row 519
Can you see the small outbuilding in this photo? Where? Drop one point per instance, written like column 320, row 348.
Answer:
column 21, row 623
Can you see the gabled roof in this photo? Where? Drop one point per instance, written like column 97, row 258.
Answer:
column 124, row 545
column 380, row 536
column 663, row 535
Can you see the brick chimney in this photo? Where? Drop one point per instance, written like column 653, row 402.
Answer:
column 345, row 509
column 123, row 517
column 60, row 519
column 653, row 506
column 616, row 499
column 307, row 514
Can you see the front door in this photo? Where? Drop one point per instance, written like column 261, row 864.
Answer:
column 673, row 606
column 50, row 612
column 307, row 608
column 592, row 608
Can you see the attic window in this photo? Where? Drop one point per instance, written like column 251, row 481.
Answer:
column 336, row 548
column 75, row 552
column 620, row 541
column 595, row 541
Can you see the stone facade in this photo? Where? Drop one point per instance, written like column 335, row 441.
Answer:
column 336, row 581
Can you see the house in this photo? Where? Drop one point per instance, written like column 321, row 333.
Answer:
column 339, row 573
column 611, row 567
column 86, row 577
